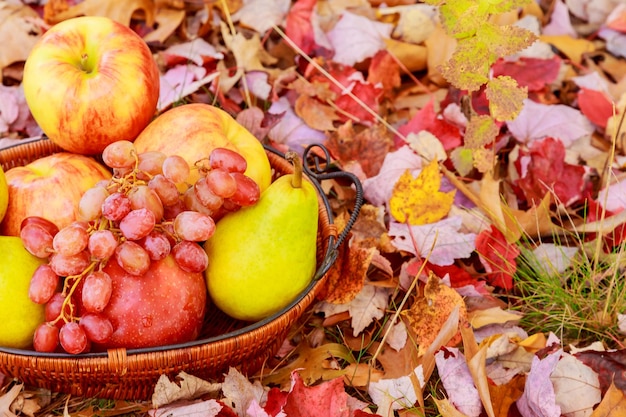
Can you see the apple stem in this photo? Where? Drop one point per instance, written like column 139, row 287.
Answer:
column 83, row 62
column 296, row 179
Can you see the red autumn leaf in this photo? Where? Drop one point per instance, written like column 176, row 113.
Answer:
column 458, row 276
column 427, row 119
column 298, row 25
column 385, row 70
column 534, row 73
column 595, row 105
column 610, row 366
column 547, row 171
column 276, row 400
column 344, row 74
column 498, row 257
column 369, row 94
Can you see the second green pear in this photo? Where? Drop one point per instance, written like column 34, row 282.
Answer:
column 261, row 257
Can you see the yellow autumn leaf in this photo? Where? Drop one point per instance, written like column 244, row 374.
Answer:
column 418, row 200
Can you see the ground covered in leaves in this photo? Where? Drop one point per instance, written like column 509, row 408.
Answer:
column 484, row 275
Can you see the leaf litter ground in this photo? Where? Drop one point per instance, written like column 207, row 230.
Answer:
column 484, row 276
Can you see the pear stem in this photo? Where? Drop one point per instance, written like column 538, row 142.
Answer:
column 296, row 179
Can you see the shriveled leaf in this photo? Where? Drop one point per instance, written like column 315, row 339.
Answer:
column 355, row 38
column 418, row 201
column 121, row 12
column 429, row 313
column 613, row 403
column 184, row 387
column 576, row 386
column 19, row 31
column 441, row 243
column 506, row 97
column 457, row 381
column 481, row 130
column 539, row 398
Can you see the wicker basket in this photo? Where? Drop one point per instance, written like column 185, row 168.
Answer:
column 224, row 342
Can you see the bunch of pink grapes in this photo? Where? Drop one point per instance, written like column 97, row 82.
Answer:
column 146, row 211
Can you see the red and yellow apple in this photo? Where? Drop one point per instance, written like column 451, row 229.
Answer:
column 90, row 81
column 164, row 306
column 194, row 130
column 49, row 187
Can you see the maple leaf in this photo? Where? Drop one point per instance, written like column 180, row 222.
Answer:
column 547, row 172
column 457, row 381
column 537, row 121
column 315, row 114
column 506, row 98
column 440, row 243
column 385, row 70
column 539, row 398
column 355, row 38
column 418, row 201
column 343, row 284
column 532, row 73
column 498, row 257
column 299, row 27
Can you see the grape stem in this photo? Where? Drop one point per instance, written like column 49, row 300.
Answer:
column 68, row 297
column 296, row 179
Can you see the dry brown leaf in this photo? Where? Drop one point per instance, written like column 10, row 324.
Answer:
column 504, row 396
column 344, row 283
column 413, row 57
column 19, row 31
column 121, row 12
column 397, row 363
column 361, row 374
column 188, row 387
column 446, row 409
column 572, row 47
column 493, row 315
column 167, row 20
column 612, row 405
column 7, row 400
column 429, row 313
column 316, row 114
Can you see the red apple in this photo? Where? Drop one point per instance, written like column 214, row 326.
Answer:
column 49, row 187
column 164, row 306
column 192, row 131
column 90, row 81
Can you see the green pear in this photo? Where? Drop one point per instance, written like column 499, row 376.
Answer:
column 262, row 256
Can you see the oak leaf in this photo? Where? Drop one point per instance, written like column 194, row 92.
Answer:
column 418, row 201
column 189, row 387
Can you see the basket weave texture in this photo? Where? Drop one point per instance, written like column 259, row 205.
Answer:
column 132, row 374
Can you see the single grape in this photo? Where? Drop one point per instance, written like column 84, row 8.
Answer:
column 142, row 196
column 137, row 224
column 151, row 162
column 96, row 292
column 90, row 204
column 53, row 307
column 46, row 338
column 248, row 192
column 42, row 222
column 190, row 256
column 132, row 258
column 119, row 154
column 65, row 266
column 227, row 159
column 97, row 327
column 43, row 284
column 102, row 244
column 165, row 189
column 221, row 182
column 194, row 226
column 116, row 206
column 193, row 203
column 37, row 240
column 205, row 195
column 71, row 240
column 73, row 338
column 157, row 245
column 176, row 169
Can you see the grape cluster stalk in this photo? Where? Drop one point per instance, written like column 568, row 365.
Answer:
column 145, row 212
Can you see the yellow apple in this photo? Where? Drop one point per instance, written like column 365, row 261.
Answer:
column 49, row 187
column 20, row 316
column 194, row 130
column 90, row 81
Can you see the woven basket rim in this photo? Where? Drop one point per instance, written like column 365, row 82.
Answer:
column 248, row 330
